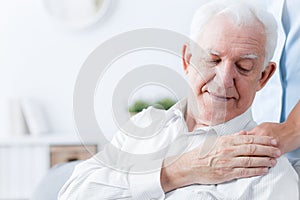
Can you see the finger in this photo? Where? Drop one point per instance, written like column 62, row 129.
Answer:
column 248, row 172
column 261, row 131
column 238, row 162
column 255, row 132
column 250, row 132
column 256, row 150
column 244, row 162
column 253, row 139
column 243, row 132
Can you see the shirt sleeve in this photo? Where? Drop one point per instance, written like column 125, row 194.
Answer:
column 92, row 180
column 95, row 179
column 147, row 185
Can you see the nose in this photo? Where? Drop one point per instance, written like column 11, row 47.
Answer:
column 225, row 74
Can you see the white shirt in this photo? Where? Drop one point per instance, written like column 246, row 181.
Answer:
column 94, row 180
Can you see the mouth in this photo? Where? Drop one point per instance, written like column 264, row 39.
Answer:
column 221, row 98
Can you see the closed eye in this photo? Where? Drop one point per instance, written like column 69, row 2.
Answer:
column 245, row 66
column 244, row 70
column 215, row 61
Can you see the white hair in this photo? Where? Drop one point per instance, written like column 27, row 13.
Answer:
column 241, row 14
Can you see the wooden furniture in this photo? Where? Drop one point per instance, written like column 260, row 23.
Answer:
column 67, row 153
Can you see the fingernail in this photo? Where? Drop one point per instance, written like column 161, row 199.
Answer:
column 277, row 153
column 273, row 142
column 273, row 162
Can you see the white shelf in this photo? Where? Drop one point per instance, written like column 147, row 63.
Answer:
column 25, row 160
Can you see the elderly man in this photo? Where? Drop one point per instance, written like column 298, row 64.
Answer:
column 238, row 45
column 226, row 66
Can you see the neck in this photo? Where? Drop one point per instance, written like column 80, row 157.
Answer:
column 191, row 121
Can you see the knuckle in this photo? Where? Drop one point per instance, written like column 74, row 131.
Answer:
column 225, row 140
column 242, row 173
column 248, row 161
column 220, row 172
column 252, row 149
column 228, row 171
column 213, row 162
column 220, row 162
column 225, row 151
column 249, row 140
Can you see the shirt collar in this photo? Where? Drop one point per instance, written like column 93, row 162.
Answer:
column 232, row 126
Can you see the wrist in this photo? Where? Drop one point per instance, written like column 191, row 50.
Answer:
column 173, row 174
column 290, row 135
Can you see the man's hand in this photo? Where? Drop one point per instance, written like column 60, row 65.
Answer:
column 233, row 156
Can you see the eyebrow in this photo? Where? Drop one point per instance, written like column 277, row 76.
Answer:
column 250, row 56
column 212, row 52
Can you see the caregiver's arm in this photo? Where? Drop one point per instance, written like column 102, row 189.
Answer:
column 287, row 133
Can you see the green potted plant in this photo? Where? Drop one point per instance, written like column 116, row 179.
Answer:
column 139, row 105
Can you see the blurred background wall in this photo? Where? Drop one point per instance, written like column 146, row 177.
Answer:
column 40, row 59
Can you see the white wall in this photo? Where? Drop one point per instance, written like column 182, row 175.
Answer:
column 40, row 59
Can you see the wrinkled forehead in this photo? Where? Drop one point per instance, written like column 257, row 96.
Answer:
column 220, row 33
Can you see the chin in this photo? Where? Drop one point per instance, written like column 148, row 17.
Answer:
column 216, row 116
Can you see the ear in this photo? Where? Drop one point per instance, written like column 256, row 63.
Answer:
column 266, row 75
column 186, row 57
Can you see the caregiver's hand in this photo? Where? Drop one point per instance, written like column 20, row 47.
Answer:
column 287, row 134
column 232, row 156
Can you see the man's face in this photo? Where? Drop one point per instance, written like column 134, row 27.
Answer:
column 226, row 71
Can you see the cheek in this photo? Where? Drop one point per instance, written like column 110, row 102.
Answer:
column 247, row 91
column 196, row 81
column 199, row 73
